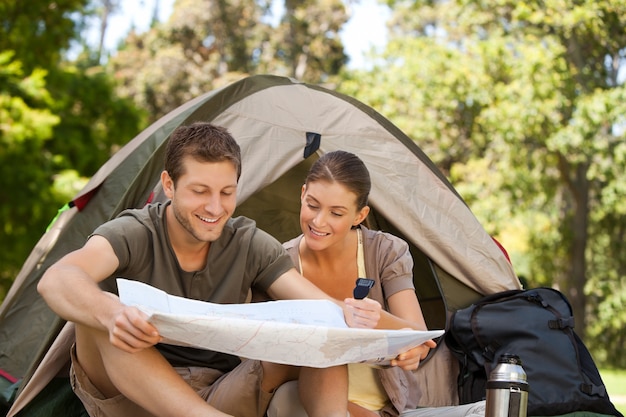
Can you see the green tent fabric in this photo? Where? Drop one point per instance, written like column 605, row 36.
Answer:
column 282, row 126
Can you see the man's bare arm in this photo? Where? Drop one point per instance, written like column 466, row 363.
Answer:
column 70, row 287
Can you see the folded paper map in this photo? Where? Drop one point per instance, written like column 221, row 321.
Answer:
column 295, row 332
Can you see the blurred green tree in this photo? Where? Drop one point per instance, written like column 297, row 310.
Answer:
column 521, row 103
column 39, row 31
column 26, row 124
column 59, row 120
column 208, row 44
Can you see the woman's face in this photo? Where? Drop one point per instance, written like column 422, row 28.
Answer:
column 327, row 213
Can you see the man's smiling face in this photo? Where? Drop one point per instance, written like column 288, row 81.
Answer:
column 204, row 198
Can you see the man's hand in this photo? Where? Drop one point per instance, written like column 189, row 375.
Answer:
column 410, row 360
column 131, row 330
column 364, row 314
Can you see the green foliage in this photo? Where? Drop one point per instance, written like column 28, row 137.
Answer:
column 59, row 133
column 58, row 122
column 33, row 36
column 38, row 30
column 95, row 121
column 202, row 47
column 520, row 105
column 26, row 125
column 306, row 44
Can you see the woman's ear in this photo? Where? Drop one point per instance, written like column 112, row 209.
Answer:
column 361, row 215
column 303, row 191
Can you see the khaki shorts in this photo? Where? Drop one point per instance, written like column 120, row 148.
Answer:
column 236, row 393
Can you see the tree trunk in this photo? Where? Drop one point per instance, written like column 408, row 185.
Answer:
column 574, row 288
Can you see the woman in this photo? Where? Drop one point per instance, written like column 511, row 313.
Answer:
column 333, row 251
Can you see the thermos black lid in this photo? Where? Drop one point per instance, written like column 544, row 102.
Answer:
column 509, row 368
column 510, row 358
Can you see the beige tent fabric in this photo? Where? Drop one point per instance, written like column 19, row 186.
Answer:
column 43, row 246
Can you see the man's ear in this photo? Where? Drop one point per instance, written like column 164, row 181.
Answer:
column 167, row 183
column 361, row 215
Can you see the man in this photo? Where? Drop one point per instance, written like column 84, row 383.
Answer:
column 191, row 247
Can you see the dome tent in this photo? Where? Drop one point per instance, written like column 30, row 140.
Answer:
column 282, row 126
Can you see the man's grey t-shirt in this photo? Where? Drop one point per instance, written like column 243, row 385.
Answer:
column 243, row 257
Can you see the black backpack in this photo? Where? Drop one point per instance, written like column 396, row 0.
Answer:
column 538, row 326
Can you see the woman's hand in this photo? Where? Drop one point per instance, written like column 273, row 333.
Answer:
column 410, row 360
column 363, row 314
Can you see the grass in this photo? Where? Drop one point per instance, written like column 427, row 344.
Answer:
column 615, row 382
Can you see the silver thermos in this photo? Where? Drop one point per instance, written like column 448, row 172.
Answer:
column 507, row 388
